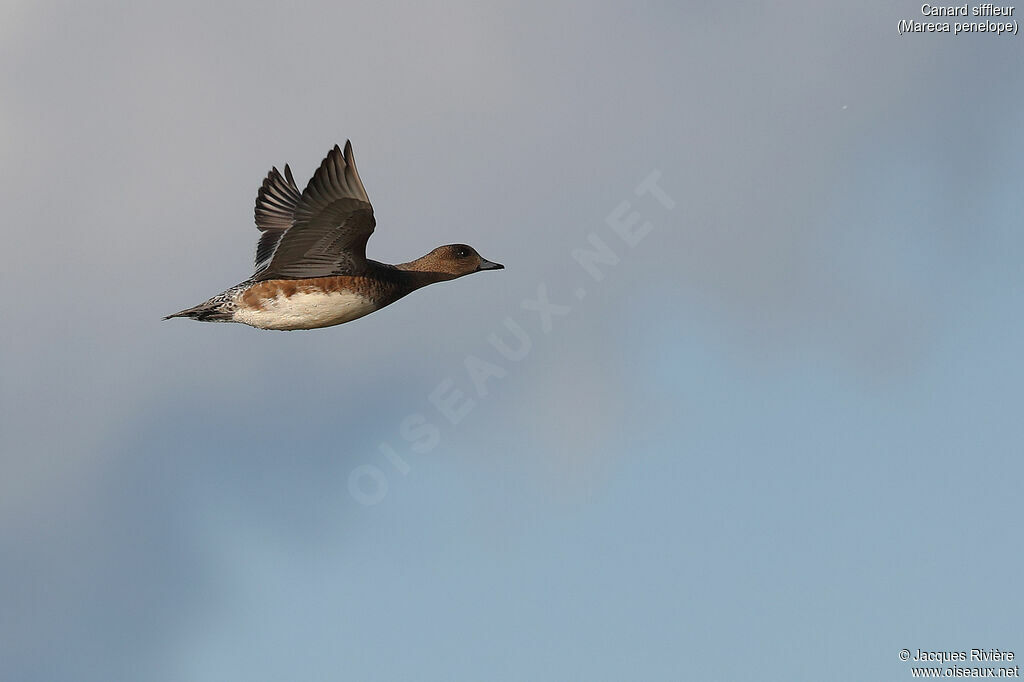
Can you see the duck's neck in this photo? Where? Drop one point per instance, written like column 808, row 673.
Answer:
column 422, row 272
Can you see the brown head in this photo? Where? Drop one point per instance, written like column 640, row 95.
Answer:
column 451, row 261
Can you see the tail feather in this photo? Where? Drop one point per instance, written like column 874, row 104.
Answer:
column 220, row 308
column 204, row 312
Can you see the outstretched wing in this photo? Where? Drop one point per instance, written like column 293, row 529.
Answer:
column 275, row 212
column 331, row 222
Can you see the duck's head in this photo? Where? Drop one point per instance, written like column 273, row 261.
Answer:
column 455, row 260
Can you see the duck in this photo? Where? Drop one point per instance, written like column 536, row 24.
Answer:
column 311, row 269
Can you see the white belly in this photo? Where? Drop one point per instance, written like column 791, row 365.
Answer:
column 306, row 310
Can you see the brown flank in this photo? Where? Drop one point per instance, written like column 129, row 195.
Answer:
column 259, row 294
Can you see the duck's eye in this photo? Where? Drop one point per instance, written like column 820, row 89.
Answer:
column 461, row 252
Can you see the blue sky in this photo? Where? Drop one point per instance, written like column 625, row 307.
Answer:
column 779, row 439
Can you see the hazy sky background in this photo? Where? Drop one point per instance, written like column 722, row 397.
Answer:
column 781, row 439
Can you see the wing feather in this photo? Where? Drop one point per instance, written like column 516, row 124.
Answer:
column 331, row 221
column 275, row 211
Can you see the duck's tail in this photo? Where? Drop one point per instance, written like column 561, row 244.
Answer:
column 210, row 311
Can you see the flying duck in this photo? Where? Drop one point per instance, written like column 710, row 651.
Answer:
column 311, row 264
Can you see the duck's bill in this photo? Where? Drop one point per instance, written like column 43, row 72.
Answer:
column 488, row 265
